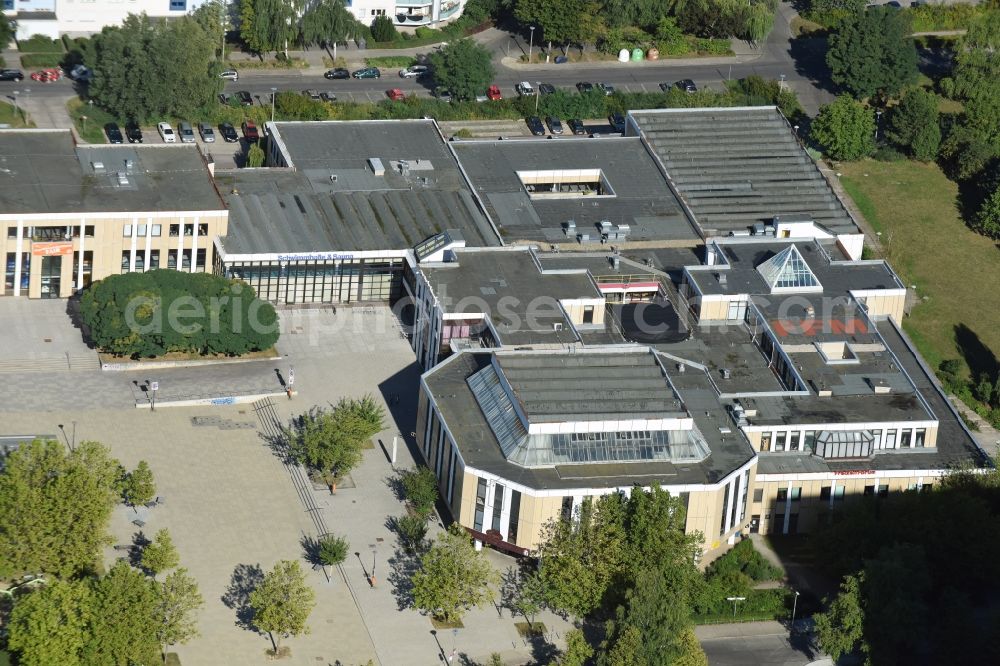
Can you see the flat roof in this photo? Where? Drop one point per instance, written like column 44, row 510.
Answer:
column 480, row 448
column 521, row 300
column 280, row 210
column 642, row 199
column 735, row 167
column 43, row 172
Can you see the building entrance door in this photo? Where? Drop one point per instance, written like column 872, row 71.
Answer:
column 51, row 276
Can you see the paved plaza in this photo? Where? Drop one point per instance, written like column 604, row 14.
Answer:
column 233, row 507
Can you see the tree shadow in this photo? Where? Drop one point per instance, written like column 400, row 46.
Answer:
column 401, row 569
column 245, row 579
column 395, row 483
column 809, row 56
column 542, row 651
column 139, row 543
column 310, row 549
column 982, row 362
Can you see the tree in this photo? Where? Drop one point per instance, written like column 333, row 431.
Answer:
column 177, row 601
column 421, row 489
column 6, row 31
column 577, row 651
column 49, row 625
column 55, row 507
column 453, row 577
column 871, row 52
column 255, row 156
column 383, row 29
column 328, row 22
column 623, row 651
column 845, row 129
column 267, row 25
column 840, row 630
column 149, row 70
column 691, row 652
column 558, row 19
column 412, row 530
column 977, row 76
column 913, row 124
column 526, row 596
column 332, row 550
column 282, row 603
column 213, row 18
column 987, row 218
column 123, row 631
column 160, row 555
column 139, row 486
column 463, row 67
column 332, row 440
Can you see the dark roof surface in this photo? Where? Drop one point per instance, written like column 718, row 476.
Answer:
column 738, row 166
column 41, row 171
column 641, row 198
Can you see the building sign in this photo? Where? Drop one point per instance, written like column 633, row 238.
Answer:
column 51, row 249
column 853, row 472
column 315, row 256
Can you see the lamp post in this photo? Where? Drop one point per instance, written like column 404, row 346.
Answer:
column 374, row 553
column 735, row 600
column 531, row 41
column 878, row 123
column 273, row 92
column 781, row 84
column 538, row 94
column 795, row 604
column 84, row 119
column 17, row 110
column 222, row 22
column 153, row 388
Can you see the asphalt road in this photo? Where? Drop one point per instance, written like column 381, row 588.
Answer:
column 773, row 650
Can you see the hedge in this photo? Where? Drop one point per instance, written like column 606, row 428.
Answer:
column 40, row 44
column 161, row 311
column 33, row 60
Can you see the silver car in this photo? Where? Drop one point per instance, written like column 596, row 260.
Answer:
column 206, row 132
column 185, row 132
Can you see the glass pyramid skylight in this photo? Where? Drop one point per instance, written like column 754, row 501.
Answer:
column 788, row 271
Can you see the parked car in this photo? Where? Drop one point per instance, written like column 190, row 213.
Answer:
column 166, row 132
column 687, row 85
column 337, row 73
column 133, row 132
column 555, row 125
column 443, row 94
column 250, row 132
column 228, row 133
column 524, row 89
column 328, row 97
column 246, row 99
column 11, row 75
column 114, row 133
column 311, row 94
column 546, row 88
column 81, row 73
column 576, row 126
column 206, row 132
column 584, row 87
column 665, row 87
column 46, row 75
column 617, row 121
column 186, row 132
column 224, row 99
column 536, row 126
column 367, row 73
column 894, row 4
column 606, row 88
column 395, row 94
column 493, row 93
column 414, row 72
column 230, row 75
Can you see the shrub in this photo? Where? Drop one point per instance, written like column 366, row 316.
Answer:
column 40, row 44
column 412, row 530
column 888, row 154
column 421, row 488
column 424, row 32
column 32, row 60
column 126, row 315
column 332, row 550
column 845, row 128
column 744, row 558
column 291, row 105
column 383, row 30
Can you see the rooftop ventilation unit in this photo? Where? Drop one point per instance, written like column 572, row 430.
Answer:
column 98, row 167
column 681, row 368
column 129, row 165
column 615, row 261
column 376, row 165
column 333, row 178
column 569, row 228
column 122, row 178
column 557, row 326
column 723, row 280
column 727, row 373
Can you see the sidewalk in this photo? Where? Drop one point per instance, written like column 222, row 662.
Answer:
column 742, row 53
column 706, row 632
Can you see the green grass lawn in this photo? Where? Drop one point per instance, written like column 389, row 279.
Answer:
column 14, row 119
column 954, row 268
column 91, row 130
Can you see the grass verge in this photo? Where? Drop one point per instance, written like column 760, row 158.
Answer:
column 90, row 130
column 390, row 61
column 914, row 205
column 8, row 116
column 35, row 60
column 526, row 630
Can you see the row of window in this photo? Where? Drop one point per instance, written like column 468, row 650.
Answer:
column 796, row 440
column 175, row 230
column 154, row 260
column 837, row 493
column 52, row 233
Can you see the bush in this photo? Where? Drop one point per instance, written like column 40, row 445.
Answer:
column 424, row 32
column 421, row 489
column 745, row 559
column 127, row 315
column 391, row 61
column 411, row 530
column 383, row 29
column 33, row 60
column 291, row 105
column 40, row 44
column 332, row 550
column 845, row 129
column 928, row 18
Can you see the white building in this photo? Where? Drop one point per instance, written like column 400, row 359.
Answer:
column 53, row 18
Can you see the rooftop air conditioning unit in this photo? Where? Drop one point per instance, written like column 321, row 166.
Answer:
column 557, row 326
column 727, row 373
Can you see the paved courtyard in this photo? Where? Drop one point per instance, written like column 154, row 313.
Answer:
column 232, row 506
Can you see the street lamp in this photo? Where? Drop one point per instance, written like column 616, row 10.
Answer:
column 153, row 388
column 84, row 119
column 795, row 605
column 273, row 91
column 878, row 123
column 531, row 41
column 538, row 94
column 781, row 84
column 735, row 600
column 17, row 111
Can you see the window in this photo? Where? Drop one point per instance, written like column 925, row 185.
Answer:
column 919, row 435
column 877, row 439
column 779, row 441
column 839, row 493
column 869, row 490
column 758, row 495
column 905, row 437
column 202, row 229
column 883, row 491
column 911, row 486
column 824, row 493
column 810, row 441
column 765, row 442
column 127, row 230
column 480, row 504
column 497, row 505
column 178, row 5
column 588, row 314
column 515, row 515
column 737, row 310
column 793, row 441
column 126, row 255
column 926, row 487
column 156, row 229
column 200, row 260
column 796, row 494
column 567, row 509
column 154, row 259
column 782, row 494
column 175, row 230
column 890, row 439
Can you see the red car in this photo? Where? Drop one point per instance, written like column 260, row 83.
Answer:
column 250, row 132
column 396, row 95
column 46, row 75
column 494, row 93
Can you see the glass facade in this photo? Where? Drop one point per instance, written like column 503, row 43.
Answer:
column 321, row 280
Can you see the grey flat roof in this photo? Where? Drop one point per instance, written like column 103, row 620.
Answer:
column 480, row 448
column 589, row 387
column 279, row 210
column 642, row 198
column 738, row 166
column 507, row 284
column 41, row 171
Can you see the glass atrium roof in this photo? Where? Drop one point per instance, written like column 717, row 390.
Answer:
column 788, row 271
